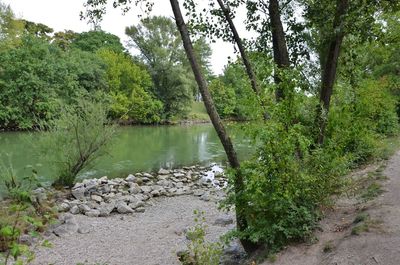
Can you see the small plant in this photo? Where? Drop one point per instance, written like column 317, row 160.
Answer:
column 361, row 217
column 328, row 247
column 200, row 251
column 373, row 191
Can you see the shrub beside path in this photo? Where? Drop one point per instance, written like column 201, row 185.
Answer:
column 364, row 229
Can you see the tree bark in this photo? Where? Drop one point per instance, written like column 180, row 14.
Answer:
column 330, row 68
column 281, row 54
column 215, row 119
column 239, row 43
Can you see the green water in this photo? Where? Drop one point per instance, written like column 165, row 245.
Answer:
column 133, row 149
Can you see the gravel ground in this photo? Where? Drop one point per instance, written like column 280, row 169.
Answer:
column 150, row 238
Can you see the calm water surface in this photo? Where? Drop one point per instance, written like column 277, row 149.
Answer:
column 133, row 149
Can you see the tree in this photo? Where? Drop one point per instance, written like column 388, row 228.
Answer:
column 128, row 86
column 10, row 28
column 36, row 78
column 64, row 39
column 92, row 41
column 224, row 98
column 160, row 48
column 37, row 29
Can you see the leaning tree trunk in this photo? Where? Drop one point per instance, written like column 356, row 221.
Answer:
column 245, row 58
column 330, row 67
column 215, row 119
column 281, row 54
column 239, row 43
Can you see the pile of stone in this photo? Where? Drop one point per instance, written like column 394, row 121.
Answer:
column 101, row 197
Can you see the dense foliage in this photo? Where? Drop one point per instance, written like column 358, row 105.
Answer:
column 329, row 85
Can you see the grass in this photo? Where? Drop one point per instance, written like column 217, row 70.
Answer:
column 361, row 217
column 364, row 224
column 198, row 112
column 328, row 247
column 388, row 146
column 373, row 190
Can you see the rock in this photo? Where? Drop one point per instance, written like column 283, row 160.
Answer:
column 79, row 193
column 223, row 220
column 140, row 210
column 84, row 230
column 64, row 207
column 233, row 255
column 179, row 175
column 163, row 171
column 75, row 210
column 39, row 195
column 136, row 204
column 106, row 208
column 104, row 189
column 26, row 240
column 147, row 175
column 205, row 197
column 179, row 184
column 130, row 178
column 179, row 192
column 62, row 218
column 103, row 180
column 65, row 229
column 84, row 208
column 134, row 188
column 146, row 189
column 122, row 207
column 155, row 193
column 198, row 192
column 92, row 213
column 96, row 198
column 90, row 184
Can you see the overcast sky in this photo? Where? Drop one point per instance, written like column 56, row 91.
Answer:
column 64, row 14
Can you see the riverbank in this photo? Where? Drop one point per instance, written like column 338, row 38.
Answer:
column 141, row 219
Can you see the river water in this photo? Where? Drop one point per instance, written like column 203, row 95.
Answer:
column 133, row 149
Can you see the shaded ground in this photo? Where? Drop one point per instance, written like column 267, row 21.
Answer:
column 361, row 230
column 148, row 238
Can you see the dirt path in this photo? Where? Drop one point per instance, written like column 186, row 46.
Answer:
column 148, row 238
column 357, row 232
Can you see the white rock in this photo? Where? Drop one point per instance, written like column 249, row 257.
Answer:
column 163, row 171
column 92, row 213
column 75, row 210
column 122, row 207
column 130, row 178
column 97, row 198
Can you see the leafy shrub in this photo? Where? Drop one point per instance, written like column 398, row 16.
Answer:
column 77, row 138
column 224, row 98
column 286, row 183
column 200, row 251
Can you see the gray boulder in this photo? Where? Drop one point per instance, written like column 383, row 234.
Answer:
column 122, row 207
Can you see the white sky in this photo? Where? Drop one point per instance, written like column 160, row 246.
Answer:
column 64, row 14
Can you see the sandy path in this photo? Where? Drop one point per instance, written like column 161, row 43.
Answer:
column 149, row 238
column 380, row 245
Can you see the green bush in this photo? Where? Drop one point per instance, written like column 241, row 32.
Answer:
column 224, row 98
column 77, row 138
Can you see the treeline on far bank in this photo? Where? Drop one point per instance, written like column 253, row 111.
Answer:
column 42, row 72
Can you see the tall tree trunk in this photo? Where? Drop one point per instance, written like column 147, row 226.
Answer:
column 281, row 54
column 330, row 67
column 215, row 119
column 239, row 43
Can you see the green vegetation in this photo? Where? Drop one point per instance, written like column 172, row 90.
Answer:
column 23, row 213
column 200, row 252
column 323, row 96
column 76, row 139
